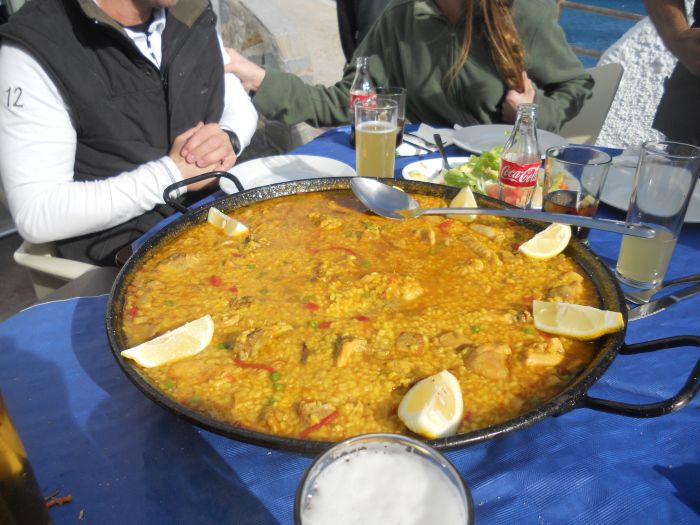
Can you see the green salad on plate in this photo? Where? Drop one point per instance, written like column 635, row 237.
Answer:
column 478, row 172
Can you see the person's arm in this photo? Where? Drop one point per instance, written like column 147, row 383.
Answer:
column 37, row 157
column 562, row 85
column 239, row 114
column 287, row 98
column 671, row 22
column 513, row 98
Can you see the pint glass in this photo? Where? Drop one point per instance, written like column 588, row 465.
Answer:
column 663, row 187
column 375, row 137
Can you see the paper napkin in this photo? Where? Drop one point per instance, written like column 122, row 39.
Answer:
column 424, row 132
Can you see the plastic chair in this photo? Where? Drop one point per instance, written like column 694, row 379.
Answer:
column 7, row 227
column 48, row 272
column 585, row 127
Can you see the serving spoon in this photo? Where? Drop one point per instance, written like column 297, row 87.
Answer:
column 393, row 203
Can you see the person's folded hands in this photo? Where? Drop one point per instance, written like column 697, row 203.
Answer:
column 209, row 145
column 187, row 169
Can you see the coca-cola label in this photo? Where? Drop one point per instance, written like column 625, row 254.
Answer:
column 522, row 175
column 354, row 97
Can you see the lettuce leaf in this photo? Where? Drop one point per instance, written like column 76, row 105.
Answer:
column 479, row 172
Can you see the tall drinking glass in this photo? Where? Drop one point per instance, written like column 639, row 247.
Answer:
column 663, row 187
column 573, row 179
column 397, row 94
column 21, row 501
column 375, row 137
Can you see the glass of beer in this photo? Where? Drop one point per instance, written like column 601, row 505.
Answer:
column 399, row 95
column 573, row 179
column 375, row 136
column 21, row 501
column 382, row 478
column 663, row 186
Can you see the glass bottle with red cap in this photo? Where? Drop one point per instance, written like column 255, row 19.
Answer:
column 361, row 88
column 520, row 160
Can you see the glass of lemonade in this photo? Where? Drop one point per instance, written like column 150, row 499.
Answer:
column 573, row 179
column 382, row 478
column 663, row 186
column 375, row 136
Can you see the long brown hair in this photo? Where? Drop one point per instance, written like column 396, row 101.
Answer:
column 506, row 48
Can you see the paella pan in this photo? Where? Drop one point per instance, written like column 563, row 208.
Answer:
column 325, row 316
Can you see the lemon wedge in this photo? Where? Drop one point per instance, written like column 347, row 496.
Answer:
column 575, row 320
column 231, row 226
column 433, row 406
column 464, row 199
column 548, row 243
column 184, row 341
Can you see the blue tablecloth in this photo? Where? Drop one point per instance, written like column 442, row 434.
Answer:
column 90, row 433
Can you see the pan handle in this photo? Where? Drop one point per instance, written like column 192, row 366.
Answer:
column 184, row 209
column 684, row 395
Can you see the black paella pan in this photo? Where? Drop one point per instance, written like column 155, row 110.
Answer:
column 574, row 395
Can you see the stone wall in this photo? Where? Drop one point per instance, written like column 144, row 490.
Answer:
column 260, row 31
column 647, row 63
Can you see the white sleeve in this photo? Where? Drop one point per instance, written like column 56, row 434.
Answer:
column 240, row 115
column 37, row 158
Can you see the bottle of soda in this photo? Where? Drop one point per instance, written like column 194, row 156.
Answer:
column 520, row 160
column 362, row 88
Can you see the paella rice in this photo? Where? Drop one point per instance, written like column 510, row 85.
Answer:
column 325, row 315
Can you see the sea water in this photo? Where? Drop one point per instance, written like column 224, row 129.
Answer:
column 386, row 486
column 598, row 32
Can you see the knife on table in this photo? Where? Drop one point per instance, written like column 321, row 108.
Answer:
column 654, row 307
column 416, row 145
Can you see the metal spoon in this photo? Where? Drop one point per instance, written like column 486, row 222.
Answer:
column 393, row 203
column 443, row 153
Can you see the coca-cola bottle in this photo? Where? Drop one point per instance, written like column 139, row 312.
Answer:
column 520, row 159
column 362, row 88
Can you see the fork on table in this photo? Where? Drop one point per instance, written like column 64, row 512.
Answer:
column 646, row 295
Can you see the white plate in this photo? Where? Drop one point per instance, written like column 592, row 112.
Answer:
column 618, row 189
column 428, row 170
column 482, row 138
column 283, row 168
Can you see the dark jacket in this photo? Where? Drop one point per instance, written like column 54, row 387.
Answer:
column 125, row 111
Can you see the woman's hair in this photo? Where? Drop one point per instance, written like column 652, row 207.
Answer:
column 506, row 49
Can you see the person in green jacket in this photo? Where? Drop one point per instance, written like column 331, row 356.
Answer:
column 462, row 62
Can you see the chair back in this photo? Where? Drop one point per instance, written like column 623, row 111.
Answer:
column 48, row 272
column 7, row 226
column 585, row 127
